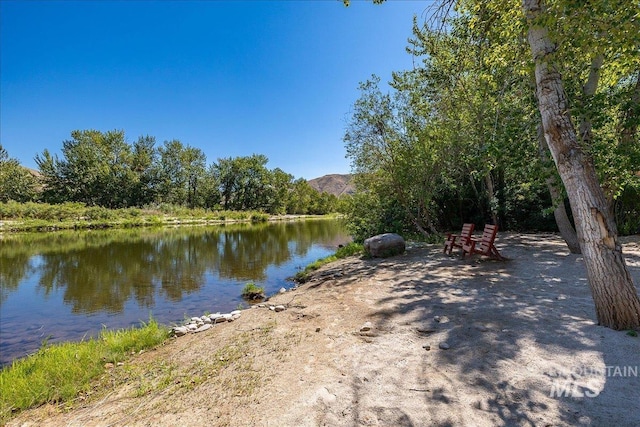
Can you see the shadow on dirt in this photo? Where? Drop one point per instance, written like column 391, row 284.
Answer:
column 522, row 336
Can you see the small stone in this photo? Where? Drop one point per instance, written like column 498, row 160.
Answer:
column 279, row 308
column 234, row 317
column 207, row 320
column 119, row 364
column 192, row 326
column 282, row 290
column 426, row 328
column 444, row 346
column 272, row 308
column 180, row 331
column 366, row 327
column 236, row 312
column 202, row 328
column 326, row 397
column 481, row 328
column 427, row 347
column 441, row 319
column 215, row 316
column 220, row 319
column 317, row 329
column 196, row 319
column 108, row 365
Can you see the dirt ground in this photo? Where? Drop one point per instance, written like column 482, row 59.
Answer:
column 523, row 350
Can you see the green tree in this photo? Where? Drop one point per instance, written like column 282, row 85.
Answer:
column 172, row 180
column 180, row 171
column 16, row 182
column 245, row 182
column 387, row 143
column 210, row 189
column 54, row 186
column 94, row 170
column 323, row 203
column 144, row 188
column 194, row 163
column 300, row 198
column 280, row 188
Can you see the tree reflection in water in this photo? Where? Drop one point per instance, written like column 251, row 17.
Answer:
column 107, row 271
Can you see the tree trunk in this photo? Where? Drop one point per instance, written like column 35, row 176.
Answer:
column 615, row 296
column 491, row 194
column 563, row 222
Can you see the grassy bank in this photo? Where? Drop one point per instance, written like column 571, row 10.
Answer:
column 62, row 372
column 45, row 217
column 343, row 252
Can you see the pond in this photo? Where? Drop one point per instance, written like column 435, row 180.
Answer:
column 69, row 285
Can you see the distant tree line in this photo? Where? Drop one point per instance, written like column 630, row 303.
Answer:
column 103, row 169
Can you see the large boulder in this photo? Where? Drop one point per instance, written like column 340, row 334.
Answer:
column 385, row 245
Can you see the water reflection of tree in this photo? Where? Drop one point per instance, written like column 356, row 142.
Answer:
column 245, row 254
column 14, row 267
column 101, row 271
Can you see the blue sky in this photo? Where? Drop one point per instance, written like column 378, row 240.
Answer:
column 232, row 78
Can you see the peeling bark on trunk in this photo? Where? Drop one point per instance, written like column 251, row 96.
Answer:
column 614, row 294
column 563, row 222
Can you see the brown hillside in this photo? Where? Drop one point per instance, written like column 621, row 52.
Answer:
column 33, row 172
column 334, row 184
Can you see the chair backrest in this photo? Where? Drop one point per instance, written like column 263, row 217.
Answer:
column 467, row 230
column 488, row 236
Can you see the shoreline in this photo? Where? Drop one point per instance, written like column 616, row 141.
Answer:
column 8, row 226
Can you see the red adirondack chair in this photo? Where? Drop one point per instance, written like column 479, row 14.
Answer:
column 458, row 240
column 485, row 245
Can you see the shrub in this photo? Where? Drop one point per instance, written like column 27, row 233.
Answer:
column 252, row 292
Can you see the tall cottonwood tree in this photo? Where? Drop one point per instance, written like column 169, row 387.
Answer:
column 615, row 296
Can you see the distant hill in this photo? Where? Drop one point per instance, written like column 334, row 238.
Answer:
column 334, row 184
column 33, row 172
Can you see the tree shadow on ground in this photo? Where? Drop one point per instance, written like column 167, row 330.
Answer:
column 524, row 344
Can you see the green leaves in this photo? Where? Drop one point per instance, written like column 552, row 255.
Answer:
column 16, row 182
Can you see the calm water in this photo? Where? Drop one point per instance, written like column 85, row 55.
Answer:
column 68, row 285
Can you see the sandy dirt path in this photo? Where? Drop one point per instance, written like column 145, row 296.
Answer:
column 452, row 342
